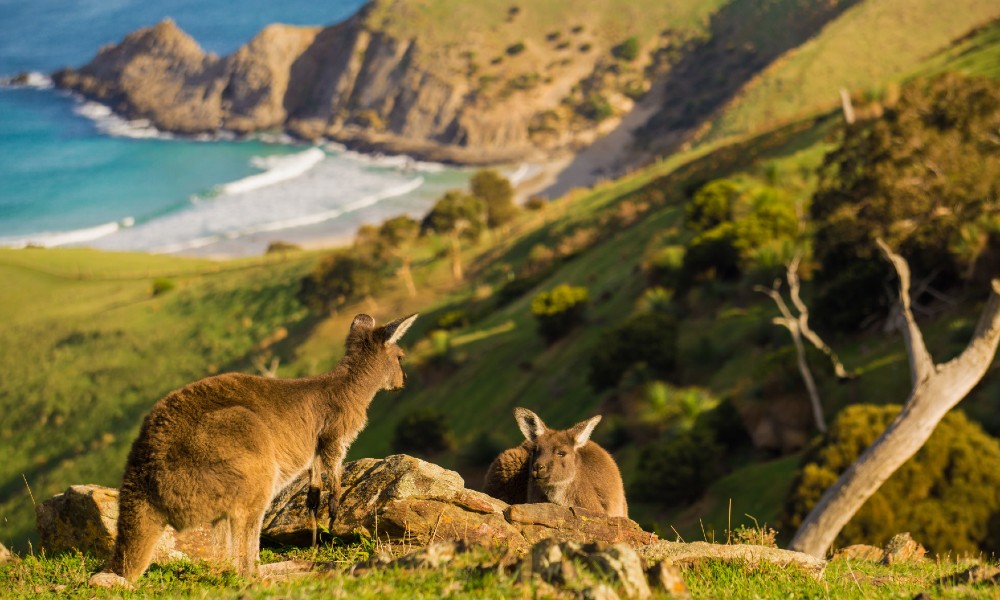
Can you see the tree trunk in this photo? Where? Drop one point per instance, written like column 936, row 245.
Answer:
column 936, row 389
column 407, row 276
column 456, row 258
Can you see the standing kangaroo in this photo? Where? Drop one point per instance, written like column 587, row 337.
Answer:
column 217, row 451
column 562, row 467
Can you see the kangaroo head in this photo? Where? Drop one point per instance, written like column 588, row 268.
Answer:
column 376, row 348
column 554, row 457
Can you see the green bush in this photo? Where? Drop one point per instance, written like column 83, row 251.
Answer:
column 945, row 496
column 678, row 469
column 595, row 107
column 627, row 50
column 453, row 319
column 162, row 285
column 643, row 338
column 711, row 206
column 424, row 432
column 712, row 255
column 559, row 310
column 515, row 49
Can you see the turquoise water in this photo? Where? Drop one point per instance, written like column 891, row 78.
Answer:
column 72, row 173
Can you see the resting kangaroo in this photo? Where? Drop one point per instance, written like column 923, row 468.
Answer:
column 218, row 450
column 562, row 467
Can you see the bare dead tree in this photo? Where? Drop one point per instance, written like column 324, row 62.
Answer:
column 269, row 371
column 937, row 388
column 799, row 328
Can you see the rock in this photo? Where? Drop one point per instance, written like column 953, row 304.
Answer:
column 903, row 548
column 401, row 498
column 545, row 520
column 559, row 563
column 683, row 554
column 665, row 578
column 84, row 518
column 600, row 591
column 432, row 556
column 110, row 580
column 621, row 563
column 860, row 552
column 5, row 555
column 406, row 499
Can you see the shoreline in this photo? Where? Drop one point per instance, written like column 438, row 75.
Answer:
column 340, row 232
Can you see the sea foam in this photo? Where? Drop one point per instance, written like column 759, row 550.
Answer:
column 276, row 170
column 50, row 239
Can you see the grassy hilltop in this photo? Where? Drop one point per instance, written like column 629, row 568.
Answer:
column 91, row 340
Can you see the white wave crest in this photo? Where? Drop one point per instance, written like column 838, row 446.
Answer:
column 300, row 221
column 50, row 239
column 400, row 162
column 109, row 123
column 277, row 169
column 32, row 79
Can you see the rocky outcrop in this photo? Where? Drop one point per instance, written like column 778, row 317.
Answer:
column 399, row 499
column 85, row 517
column 366, row 83
column 406, row 499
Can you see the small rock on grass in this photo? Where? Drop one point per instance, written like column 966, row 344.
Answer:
column 109, row 580
column 903, row 548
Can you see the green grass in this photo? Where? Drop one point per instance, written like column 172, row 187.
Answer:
column 66, row 576
column 871, row 44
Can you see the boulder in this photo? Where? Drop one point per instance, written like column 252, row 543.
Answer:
column 573, row 565
column 406, row 499
column 85, row 517
column 902, row 548
column 860, row 552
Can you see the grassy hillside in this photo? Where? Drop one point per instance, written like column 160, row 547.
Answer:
column 871, row 44
column 87, row 347
column 91, row 340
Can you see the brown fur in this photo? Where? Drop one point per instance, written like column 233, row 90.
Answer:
column 218, row 450
column 562, row 467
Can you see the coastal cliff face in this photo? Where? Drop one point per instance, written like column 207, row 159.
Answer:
column 377, row 86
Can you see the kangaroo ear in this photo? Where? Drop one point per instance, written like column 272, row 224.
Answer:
column 362, row 322
column 530, row 424
column 396, row 329
column 582, row 430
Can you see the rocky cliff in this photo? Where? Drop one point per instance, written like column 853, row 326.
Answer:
column 377, row 86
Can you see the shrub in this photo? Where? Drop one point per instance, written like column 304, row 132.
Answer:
column 713, row 254
column 559, row 310
column 643, row 338
column 453, row 319
column 627, row 50
column 515, row 49
column 162, row 285
column 423, row 431
column 945, row 495
column 678, row 469
column 595, row 107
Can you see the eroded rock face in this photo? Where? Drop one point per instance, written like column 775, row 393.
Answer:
column 399, row 498
column 352, row 82
column 85, row 517
column 405, row 498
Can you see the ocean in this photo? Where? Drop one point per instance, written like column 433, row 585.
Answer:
column 74, row 174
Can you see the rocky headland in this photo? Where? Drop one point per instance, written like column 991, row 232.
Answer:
column 373, row 84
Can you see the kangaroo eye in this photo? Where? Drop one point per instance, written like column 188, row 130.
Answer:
column 561, row 453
